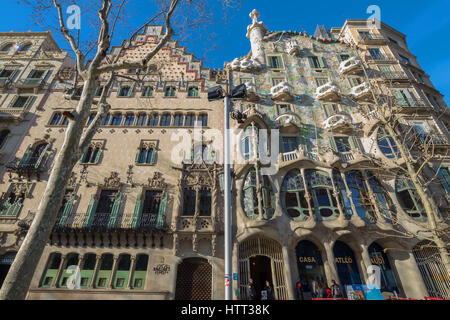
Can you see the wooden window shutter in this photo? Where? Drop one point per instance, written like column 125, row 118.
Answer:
column 98, row 155
column 311, row 62
column 92, row 207
column 321, row 62
column 42, row 156
column 26, row 157
column 138, row 155
column 66, row 212
column 137, row 212
column 29, row 102
column 160, row 221
column 153, row 158
column 355, row 143
column 83, row 157
column 333, row 144
column 115, row 211
column 118, row 89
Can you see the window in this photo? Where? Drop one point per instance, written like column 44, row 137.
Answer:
column 205, row 202
column 409, row 198
column 251, row 196
column 123, row 272
column 387, row 144
column 405, row 97
column 189, row 120
column 386, row 71
column 342, row 194
column 116, row 120
column 293, row 196
column 71, row 260
column 147, row 91
column 146, row 155
column 316, row 62
column 91, row 118
column 342, row 144
column 91, row 156
column 65, row 121
column 34, row 157
column 193, row 92
column 178, row 120
column 105, row 203
column 152, row 200
column 105, row 270
column 140, row 272
column 99, row 91
column 189, row 201
column 51, row 271
column 343, row 57
column 7, row 47
column 289, row 144
column 141, row 120
column 275, row 62
column 393, row 41
column 276, row 81
column 129, row 120
column 382, row 199
column 56, row 119
column 283, row 108
column 23, row 102
column 12, row 205
column 203, row 119
column 364, row 34
column 360, row 196
column 405, row 59
column 124, row 91
column 354, row 81
column 6, row 73
column 321, row 81
column 106, row 120
column 245, row 80
column 153, row 120
column 170, row 91
column 3, row 137
column 166, row 120
column 36, row 74
column 321, row 188
column 249, row 142
column 376, row 54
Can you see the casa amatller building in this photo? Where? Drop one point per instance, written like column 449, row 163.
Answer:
column 140, row 226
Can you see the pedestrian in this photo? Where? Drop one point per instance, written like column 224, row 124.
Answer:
column 251, row 291
column 299, row 288
column 315, row 289
column 336, row 289
column 329, row 294
column 269, row 290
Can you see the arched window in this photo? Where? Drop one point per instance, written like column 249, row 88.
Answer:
column 8, row 47
column 170, row 91
column 360, row 196
column 189, row 120
column 321, row 189
column 38, row 150
column 92, row 155
column 387, row 144
column 165, row 120
column 71, row 260
column 129, row 119
column 87, row 269
column 106, row 120
column 51, row 271
column 193, row 92
column 249, row 142
column 409, row 199
column 141, row 120
column 104, row 273
column 3, row 136
column 116, row 120
column 91, row 118
column 122, row 272
column 293, row 196
column 178, row 120
column 65, row 121
column 343, row 198
column 125, row 91
column 140, row 271
column 147, row 156
column 56, row 119
column 26, row 47
column 147, row 91
column 250, row 196
column 382, row 198
column 153, row 120
column 203, row 119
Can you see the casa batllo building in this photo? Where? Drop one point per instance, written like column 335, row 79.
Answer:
column 330, row 210
column 137, row 224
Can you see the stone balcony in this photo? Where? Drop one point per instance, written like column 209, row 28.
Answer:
column 299, row 154
column 195, row 224
column 329, row 92
column 30, row 83
column 12, row 114
column 292, row 48
column 252, row 94
column 362, row 93
column 341, row 122
column 282, row 92
column 245, row 65
column 408, row 106
column 373, row 39
column 350, row 66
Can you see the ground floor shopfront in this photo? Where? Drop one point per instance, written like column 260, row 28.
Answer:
column 311, row 261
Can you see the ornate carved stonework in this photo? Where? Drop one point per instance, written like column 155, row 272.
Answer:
column 113, row 181
column 157, row 182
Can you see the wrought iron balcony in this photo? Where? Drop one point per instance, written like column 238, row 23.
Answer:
column 29, row 165
column 102, row 222
column 11, row 210
column 411, row 104
column 4, row 81
column 394, row 75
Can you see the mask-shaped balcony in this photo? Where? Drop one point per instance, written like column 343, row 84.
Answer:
column 289, row 122
column 329, row 92
column 252, row 94
column 292, row 48
column 350, row 66
column 339, row 123
column 282, row 92
column 245, row 65
column 362, row 92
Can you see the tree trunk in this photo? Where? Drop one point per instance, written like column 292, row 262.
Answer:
column 17, row 282
column 426, row 201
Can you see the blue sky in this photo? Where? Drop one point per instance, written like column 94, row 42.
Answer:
column 426, row 24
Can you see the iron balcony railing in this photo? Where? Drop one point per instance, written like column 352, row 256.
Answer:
column 103, row 222
column 394, row 75
column 436, row 139
column 410, row 103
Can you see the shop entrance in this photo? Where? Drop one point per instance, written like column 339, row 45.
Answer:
column 346, row 264
column 310, row 268
column 260, row 272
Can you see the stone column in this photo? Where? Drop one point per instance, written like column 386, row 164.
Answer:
column 330, row 264
column 58, row 275
column 132, row 266
column 287, row 271
column 365, row 262
column 113, row 272
column 98, row 257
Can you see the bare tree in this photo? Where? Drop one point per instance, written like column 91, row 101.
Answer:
column 93, row 62
column 417, row 159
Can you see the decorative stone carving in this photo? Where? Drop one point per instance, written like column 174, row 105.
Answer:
column 292, row 48
column 282, row 92
column 113, row 181
column 245, row 65
column 157, row 182
column 161, row 269
column 328, row 92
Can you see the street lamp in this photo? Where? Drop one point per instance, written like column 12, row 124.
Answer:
column 214, row 94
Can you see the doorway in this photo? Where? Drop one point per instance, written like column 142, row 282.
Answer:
column 5, row 264
column 260, row 272
column 194, row 280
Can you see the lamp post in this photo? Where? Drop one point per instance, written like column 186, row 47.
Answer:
column 237, row 93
